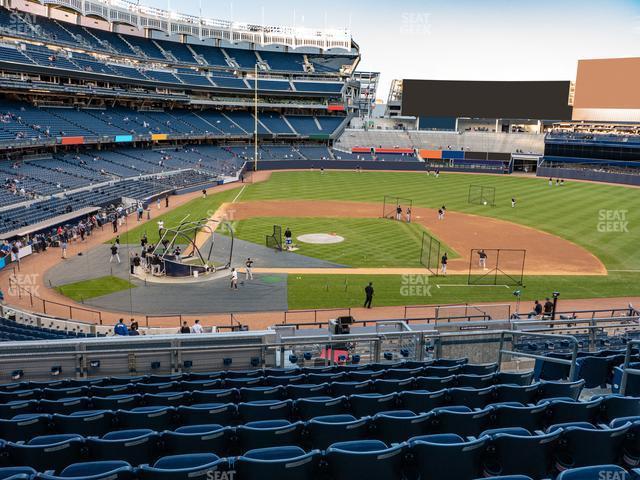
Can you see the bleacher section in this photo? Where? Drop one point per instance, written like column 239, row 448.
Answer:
column 444, row 419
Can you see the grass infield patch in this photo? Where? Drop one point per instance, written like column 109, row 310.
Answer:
column 97, row 287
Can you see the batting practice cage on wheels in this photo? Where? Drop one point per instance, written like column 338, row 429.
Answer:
column 275, row 239
column 481, row 195
column 430, row 253
column 497, row 266
column 391, row 204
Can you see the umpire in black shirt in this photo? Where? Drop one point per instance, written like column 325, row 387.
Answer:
column 369, row 295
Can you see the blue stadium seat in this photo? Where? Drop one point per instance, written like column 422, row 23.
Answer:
column 595, row 371
column 447, row 456
column 64, row 406
column 157, row 387
column 320, row 378
column 198, row 439
column 383, row 386
column 12, row 409
column 513, row 378
column 524, row 394
column 560, row 411
column 20, row 395
column 475, row 381
column 226, row 395
column 402, row 373
column 115, row 470
column 109, row 390
column 434, row 384
column 88, row 423
column 265, row 410
column 283, row 463
column 154, row 418
column 364, row 375
column 282, row 372
column 50, row 452
column 239, row 382
column 350, row 388
column 471, row 397
column 308, row 408
column 531, row 418
column 325, row 430
column 60, row 393
column 116, row 402
column 133, row 446
column 208, row 413
column 465, row 424
column 262, row 434
column 420, row 401
column 261, row 393
column 515, row 451
column 184, row 467
column 611, row 472
column 368, row 404
column 479, row 369
column 616, row 406
column 16, row 473
column 282, row 380
column 441, row 371
column 165, row 399
column 206, row 384
column 295, row 391
column 370, row 459
column 631, row 454
column 583, row 444
column 396, row 426
column 560, row 389
column 24, row 427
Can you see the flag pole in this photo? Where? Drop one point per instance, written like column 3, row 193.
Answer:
column 255, row 126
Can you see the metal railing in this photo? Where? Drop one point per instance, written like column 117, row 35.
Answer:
column 513, row 353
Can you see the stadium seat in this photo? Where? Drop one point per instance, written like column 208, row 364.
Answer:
column 365, row 375
column 516, row 451
column 19, row 407
column 434, row 384
column 447, row 456
column 560, row 389
column 89, row 424
column 208, row 413
column 265, row 410
column 283, row 463
column 261, row 393
column 560, row 411
column 295, row 391
column 60, row 393
column 582, row 445
column 157, row 387
column 479, row 369
column 631, row 454
column 206, row 384
column 595, row 371
column 16, row 473
column 198, row 439
column 64, row 406
column 165, row 399
column 370, row 459
column 325, row 430
column 474, row 381
column 133, row 446
column 402, row 373
column 525, row 394
column 396, row 426
column 465, row 424
column 616, row 406
column 24, row 427
column 115, row 470
column 282, row 380
column 183, row 467
column 50, row 452
column 384, row 386
column 531, row 418
column 513, row 378
column 154, row 418
column 262, row 434
column 610, row 472
column 471, row 397
column 320, row 378
column 308, row 408
column 227, row 395
column 116, row 402
column 350, row 388
column 109, row 390
column 368, row 404
column 421, row 401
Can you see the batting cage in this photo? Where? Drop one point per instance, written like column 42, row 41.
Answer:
column 391, row 204
column 275, row 239
column 430, row 253
column 498, row 266
column 482, row 195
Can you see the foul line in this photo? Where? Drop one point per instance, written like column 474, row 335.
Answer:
column 625, row 271
column 239, row 193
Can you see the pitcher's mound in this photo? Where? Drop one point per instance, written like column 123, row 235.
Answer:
column 320, row 239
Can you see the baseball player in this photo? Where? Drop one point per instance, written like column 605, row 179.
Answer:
column 444, row 261
column 408, row 215
column 483, row 259
column 399, row 213
column 288, row 240
column 513, row 203
column 249, row 266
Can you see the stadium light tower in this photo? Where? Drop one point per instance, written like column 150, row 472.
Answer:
column 255, row 123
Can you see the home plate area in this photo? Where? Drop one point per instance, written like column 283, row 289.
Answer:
column 320, row 238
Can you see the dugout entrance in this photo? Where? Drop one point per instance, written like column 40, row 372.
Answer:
column 501, row 266
column 390, row 206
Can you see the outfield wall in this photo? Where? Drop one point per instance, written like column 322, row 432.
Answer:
column 364, row 165
column 591, row 175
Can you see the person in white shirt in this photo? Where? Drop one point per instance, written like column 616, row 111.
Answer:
column 197, row 328
column 234, row 279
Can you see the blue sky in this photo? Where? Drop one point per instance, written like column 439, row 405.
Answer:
column 458, row 39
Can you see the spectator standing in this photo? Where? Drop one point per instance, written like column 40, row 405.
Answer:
column 368, row 292
column 121, row 329
column 197, row 328
column 185, row 328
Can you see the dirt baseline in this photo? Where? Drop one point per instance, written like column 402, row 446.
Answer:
column 547, row 254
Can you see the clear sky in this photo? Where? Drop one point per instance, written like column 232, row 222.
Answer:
column 455, row 39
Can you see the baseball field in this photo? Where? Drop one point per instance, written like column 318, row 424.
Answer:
column 581, row 238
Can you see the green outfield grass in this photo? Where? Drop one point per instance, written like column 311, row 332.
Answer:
column 369, row 242
column 197, row 209
column 97, row 287
column 572, row 211
column 338, row 291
